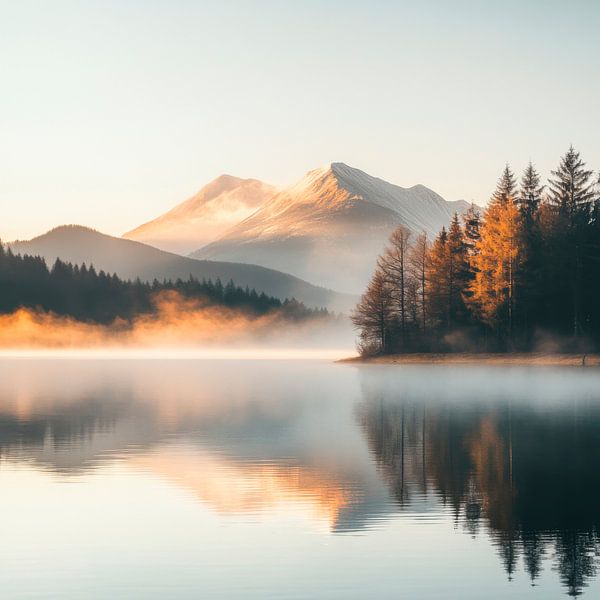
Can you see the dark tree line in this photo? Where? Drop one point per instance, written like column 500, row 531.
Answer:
column 523, row 275
column 85, row 294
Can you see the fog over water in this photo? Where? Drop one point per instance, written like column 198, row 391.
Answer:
column 297, row 478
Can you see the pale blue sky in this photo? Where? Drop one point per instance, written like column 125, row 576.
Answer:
column 111, row 112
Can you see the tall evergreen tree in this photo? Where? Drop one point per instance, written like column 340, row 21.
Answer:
column 529, row 284
column 458, row 273
column 571, row 188
column 437, row 276
column 472, row 225
column 472, row 235
column 572, row 194
column 530, row 193
column 448, row 274
column 506, row 187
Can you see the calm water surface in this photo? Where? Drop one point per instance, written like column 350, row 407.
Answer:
column 283, row 479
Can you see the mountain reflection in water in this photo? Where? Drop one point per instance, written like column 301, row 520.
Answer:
column 506, row 455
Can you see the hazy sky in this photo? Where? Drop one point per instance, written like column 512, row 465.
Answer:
column 111, row 112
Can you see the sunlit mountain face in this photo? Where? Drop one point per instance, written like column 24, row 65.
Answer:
column 219, row 205
column 357, row 458
column 329, row 227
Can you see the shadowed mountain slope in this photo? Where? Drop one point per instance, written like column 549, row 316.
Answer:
column 129, row 259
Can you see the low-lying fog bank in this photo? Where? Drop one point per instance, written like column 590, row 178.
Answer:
column 180, row 329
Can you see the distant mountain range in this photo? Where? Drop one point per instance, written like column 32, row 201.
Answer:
column 327, row 229
column 217, row 207
column 130, row 259
column 330, row 227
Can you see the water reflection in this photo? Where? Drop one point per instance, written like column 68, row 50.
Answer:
column 524, row 469
column 254, row 443
column 505, row 455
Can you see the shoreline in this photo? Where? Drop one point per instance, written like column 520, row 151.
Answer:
column 465, row 358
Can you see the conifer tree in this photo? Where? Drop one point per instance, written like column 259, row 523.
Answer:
column 492, row 291
column 571, row 188
column 506, row 187
column 448, row 276
column 437, row 276
column 472, row 224
column 472, row 235
column 458, row 272
column 572, row 193
column 529, row 284
column 530, row 193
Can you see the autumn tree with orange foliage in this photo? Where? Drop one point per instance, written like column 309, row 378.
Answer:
column 449, row 277
column 496, row 266
column 525, row 272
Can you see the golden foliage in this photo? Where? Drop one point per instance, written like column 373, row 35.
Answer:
column 495, row 263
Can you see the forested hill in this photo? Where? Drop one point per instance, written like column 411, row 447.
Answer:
column 524, row 275
column 130, row 260
column 88, row 295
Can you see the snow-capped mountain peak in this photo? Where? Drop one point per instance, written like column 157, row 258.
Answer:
column 330, row 225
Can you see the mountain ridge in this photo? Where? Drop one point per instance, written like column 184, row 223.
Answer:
column 329, row 227
column 217, row 206
column 130, row 259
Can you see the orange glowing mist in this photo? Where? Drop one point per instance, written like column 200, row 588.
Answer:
column 177, row 322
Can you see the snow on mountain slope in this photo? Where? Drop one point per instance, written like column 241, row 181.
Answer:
column 202, row 218
column 330, row 226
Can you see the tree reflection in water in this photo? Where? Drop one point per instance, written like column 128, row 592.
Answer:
column 512, row 455
column 529, row 478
